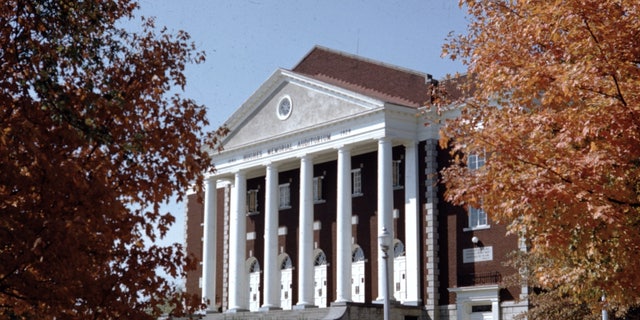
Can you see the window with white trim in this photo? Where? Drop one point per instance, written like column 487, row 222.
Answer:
column 356, row 182
column 285, row 196
column 475, row 161
column 252, row 202
column 397, row 174
column 318, row 190
column 477, row 216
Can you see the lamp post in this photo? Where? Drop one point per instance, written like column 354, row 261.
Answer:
column 605, row 315
column 384, row 240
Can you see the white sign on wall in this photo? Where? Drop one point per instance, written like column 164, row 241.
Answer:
column 477, row 254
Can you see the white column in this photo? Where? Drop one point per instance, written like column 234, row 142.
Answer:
column 343, row 244
column 495, row 309
column 237, row 246
column 385, row 209
column 271, row 268
column 411, row 223
column 305, row 246
column 209, row 246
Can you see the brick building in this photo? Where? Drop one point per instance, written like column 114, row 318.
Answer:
column 319, row 160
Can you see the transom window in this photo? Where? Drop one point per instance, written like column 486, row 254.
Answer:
column 357, row 255
column 398, row 249
column 356, row 182
column 285, row 196
column 321, row 259
column 481, row 308
column 254, row 266
column 286, row 263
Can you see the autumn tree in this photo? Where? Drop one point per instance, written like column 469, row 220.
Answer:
column 93, row 139
column 556, row 110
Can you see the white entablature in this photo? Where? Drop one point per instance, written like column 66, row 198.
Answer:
column 323, row 118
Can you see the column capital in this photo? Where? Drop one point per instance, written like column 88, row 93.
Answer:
column 343, row 147
column 306, row 156
column 410, row 143
column 270, row 164
column 384, row 139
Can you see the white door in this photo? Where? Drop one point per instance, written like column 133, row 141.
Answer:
column 285, row 289
column 254, row 291
column 400, row 278
column 320, row 293
column 357, row 281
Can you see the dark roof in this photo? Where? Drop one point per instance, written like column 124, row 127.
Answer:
column 385, row 82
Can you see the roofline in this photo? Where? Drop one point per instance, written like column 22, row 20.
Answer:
column 428, row 77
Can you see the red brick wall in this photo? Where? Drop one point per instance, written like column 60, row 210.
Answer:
column 195, row 218
column 453, row 239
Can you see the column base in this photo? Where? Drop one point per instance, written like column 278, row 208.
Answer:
column 416, row 303
column 303, row 306
column 269, row 308
column 391, row 301
column 236, row 310
column 340, row 303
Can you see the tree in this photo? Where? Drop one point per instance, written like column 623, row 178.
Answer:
column 92, row 141
column 556, row 109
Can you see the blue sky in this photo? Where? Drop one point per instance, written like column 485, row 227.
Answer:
column 245, row 41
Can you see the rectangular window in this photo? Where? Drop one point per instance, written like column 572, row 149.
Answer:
column 285, row 196
column 397, row 174
column 475, row 161
column 252, row 202
column 481, row 308
column 317, row 189
column 477, row 218
column 356, row 182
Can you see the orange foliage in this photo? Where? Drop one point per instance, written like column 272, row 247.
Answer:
column 556, row 108
column 91, row 143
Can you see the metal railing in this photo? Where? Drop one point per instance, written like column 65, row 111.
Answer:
column 475, row 279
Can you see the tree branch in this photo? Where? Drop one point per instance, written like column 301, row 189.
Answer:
column 620, row 96
column 563, row 178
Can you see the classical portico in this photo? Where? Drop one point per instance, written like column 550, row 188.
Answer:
column 297, row 123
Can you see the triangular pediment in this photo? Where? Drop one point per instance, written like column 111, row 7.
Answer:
column 311, row 103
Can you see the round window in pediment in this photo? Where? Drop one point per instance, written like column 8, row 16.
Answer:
column 285, row 106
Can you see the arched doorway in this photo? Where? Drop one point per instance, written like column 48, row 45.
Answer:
column 253, row 268
column 399, row 271
column 320, row 279
column 357, row 274
column 286, row 279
